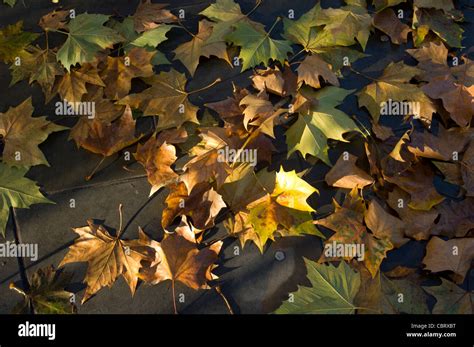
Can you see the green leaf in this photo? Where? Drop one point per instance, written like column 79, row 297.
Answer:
column 303, row 31
column 16, row 191
column 11, row 3
column 257, row 46
column 309, row 134
column 382, row 4
column 332, row 290
column 13, row 41
column 46, row 294
column 87, row 35
column 438, row 22
column 451, row 299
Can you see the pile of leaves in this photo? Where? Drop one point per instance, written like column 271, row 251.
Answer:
column 390, row 195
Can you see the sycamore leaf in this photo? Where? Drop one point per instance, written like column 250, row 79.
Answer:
column 16, row 191
column 382, row 4
column 86, row 36
column 303, row 30
column 347, row 223
column 467, row 169
column 190, row 52
column 106, row 139
column 54, row 20
column 117, row 75
column 166, row 98
column 72, row 86
column 451, row 299
column 332, row 291
column 345, row 174
column 425, row 19
column 157, row 155
column 47, row 294
column 21, row 134
column 387, row 22
column 256, row 46
column 343, row 26
column 107, row 256
column 14, row 41
column 149, row 16
column 11, row 3
column 313, row 67
column 178, row 259
column 310, row 132
column 453, row 255
column 285, row 210
column 202, row 205
column 273, row 80
column 394, row 84
column 456, row 218
column 226, row 14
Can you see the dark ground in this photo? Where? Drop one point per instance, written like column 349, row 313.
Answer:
column 252, row 282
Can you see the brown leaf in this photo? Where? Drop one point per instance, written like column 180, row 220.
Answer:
column 157, row 158
column 274, row 81
column 387, row 22
column 202, row 205
column 117, row 74
column 384, row 225
column 345, row 174
column 178, row 259
column 107, row 139
column 453, row 255
column 107, row 256
column 200, row 46
column 149, row 16
column 467, row 169
column 54, row 20
column 456, row 218
column 382, row 132
column 311, row 68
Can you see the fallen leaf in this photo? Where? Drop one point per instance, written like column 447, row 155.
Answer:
column 345, row 174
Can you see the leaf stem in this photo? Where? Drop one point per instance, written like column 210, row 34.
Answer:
column 219, row 291
column 174, row 297
column 88, row 178
column 218, row 80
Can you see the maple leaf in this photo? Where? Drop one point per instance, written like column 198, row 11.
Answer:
column 310, row 132
column 451, row 299
column 106, row 139
column 16, row 191
column 226, row 14
column 467, row 170
column 387, row 22
column 256, row 46
column 384, row 225
column 166, row 98
column 200, row 46
column 107, row 256
column 456, row 219
column 21, row 134
column 381, row 294
column 345, row 174
column 452, row 85
column 157, row 155
column 149, row 16
column 394, row 84
column 54, row 20
column 14, row 41
column 72, row 86
column 178, row 259
column 453, row 255
column 332, row 291
column 343, row 26
column 442, row 24
column 87, row 35
column 347, row 222
column 303, row 30
column 285, row 210
column 46, row 293
column 311, row 68
column 117, row 75
column 274, row 81
column 382, row 4
column 202, row 205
